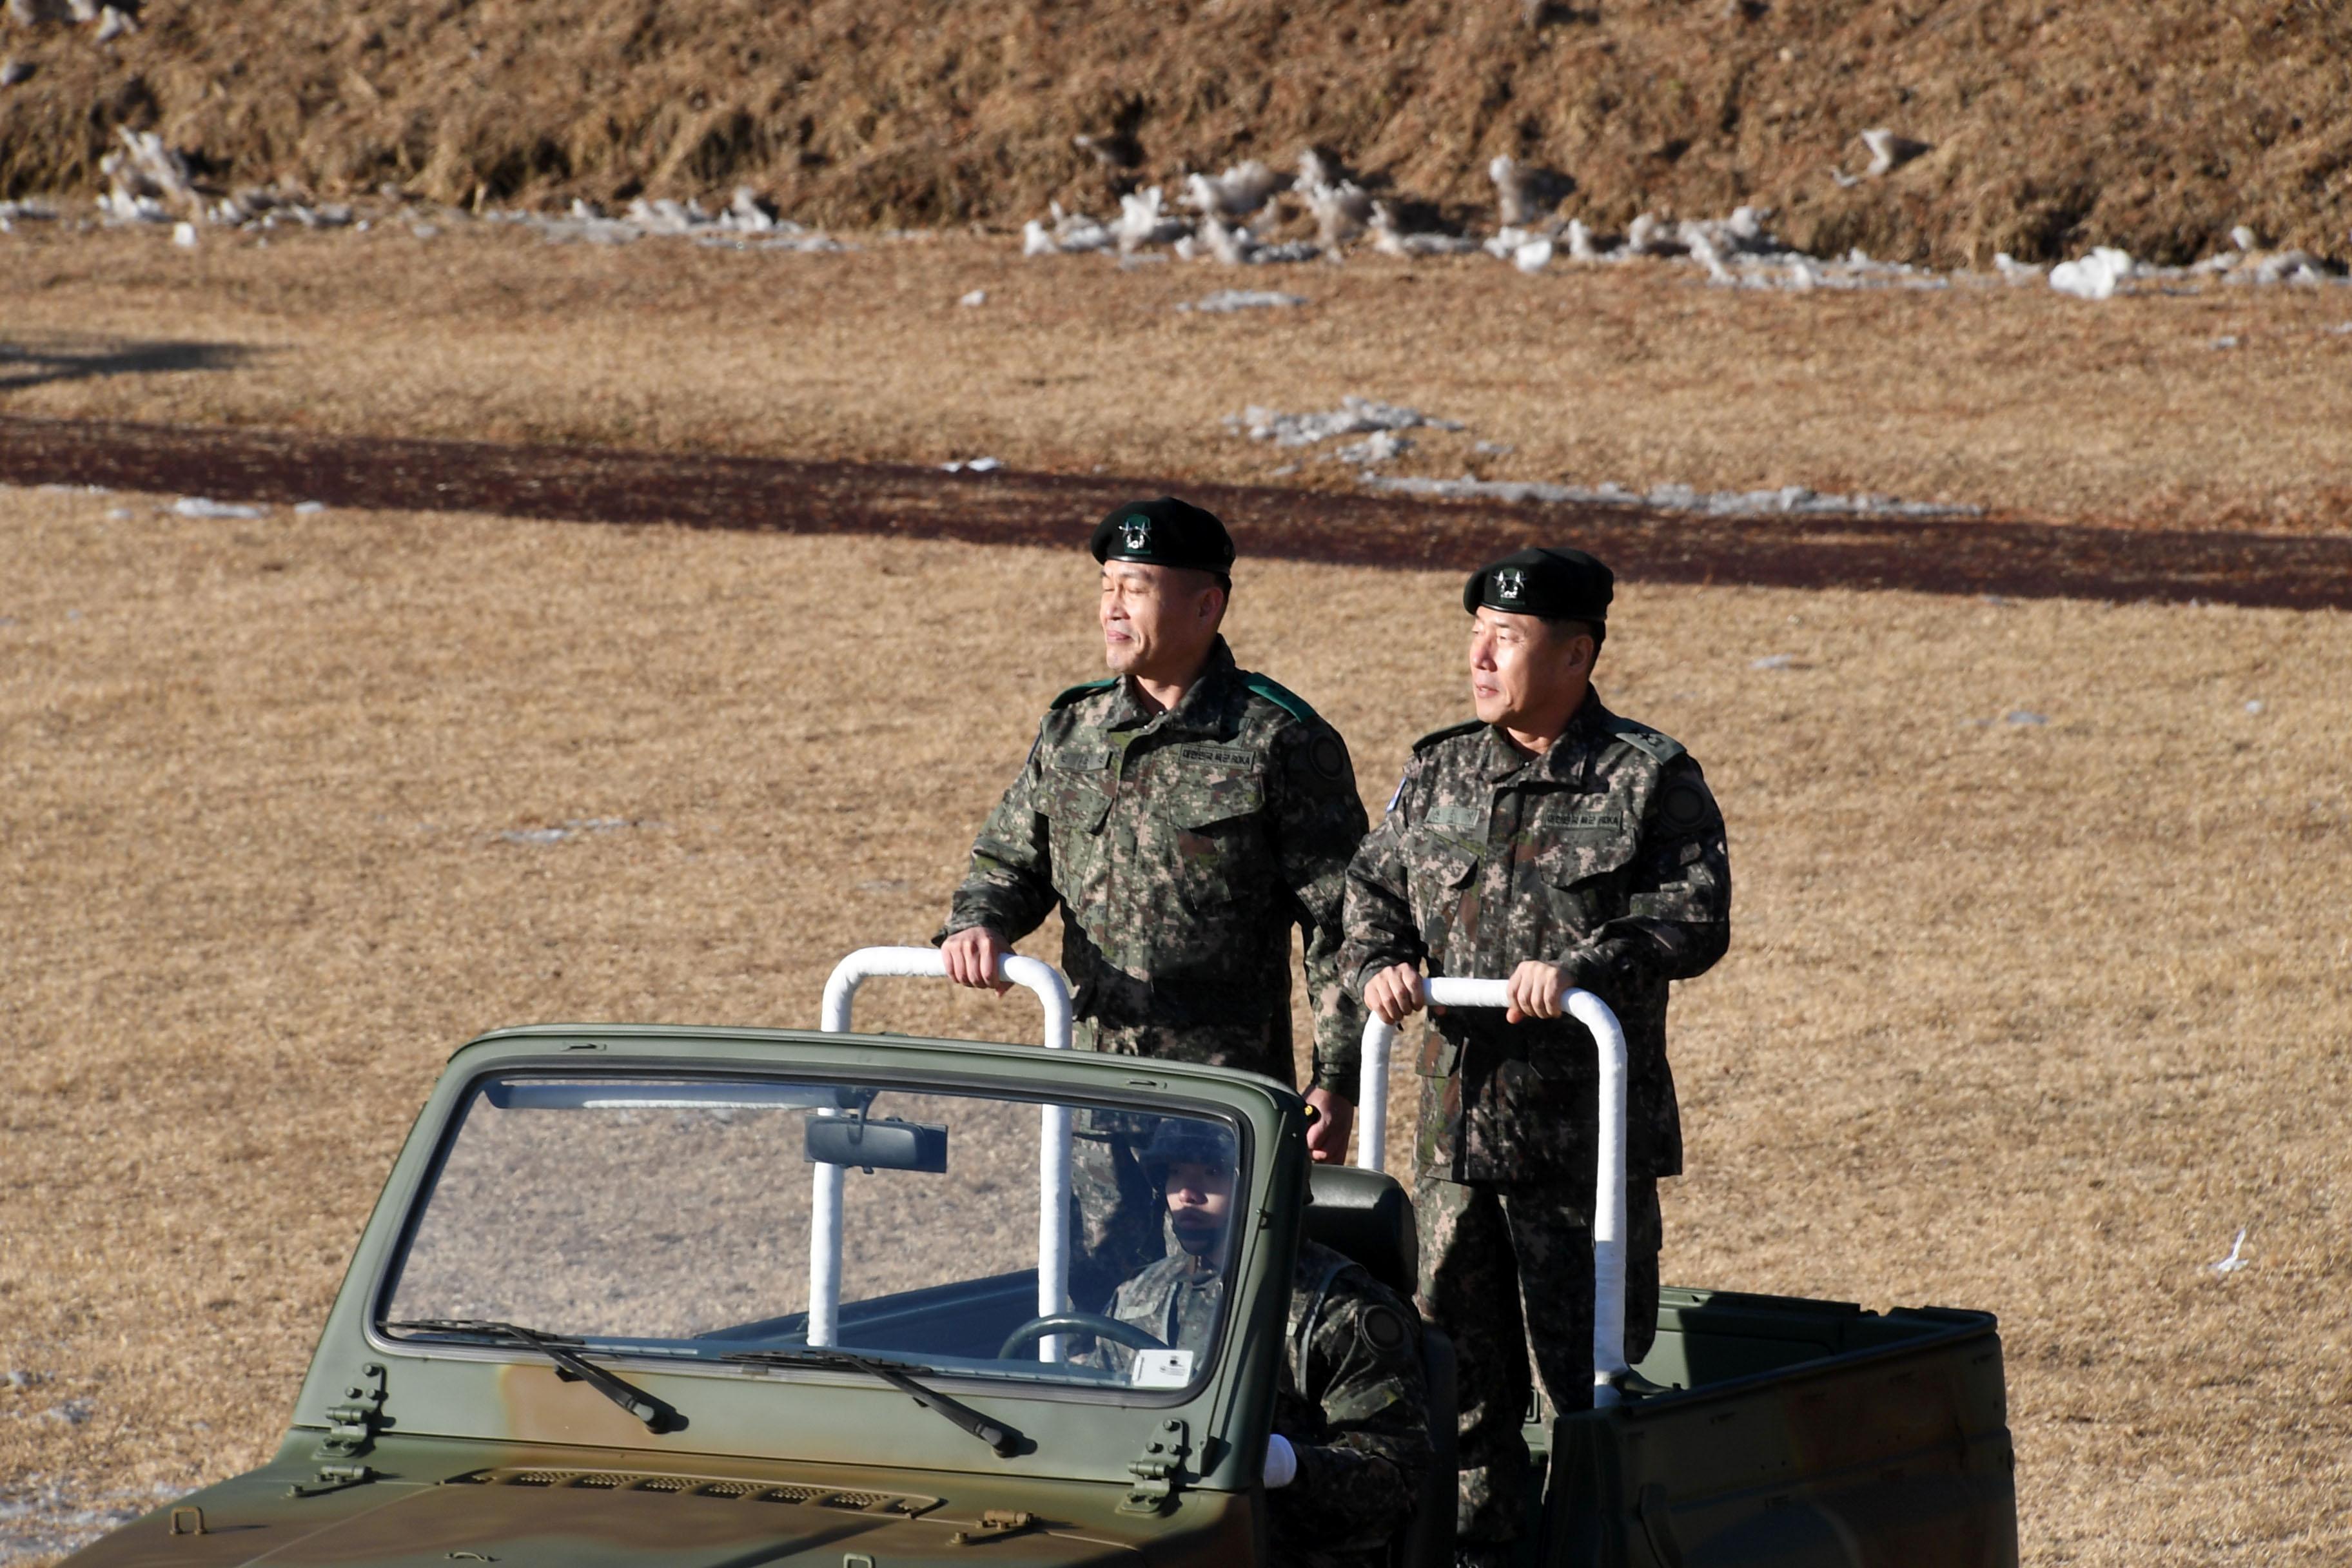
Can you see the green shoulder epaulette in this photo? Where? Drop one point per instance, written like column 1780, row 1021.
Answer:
column 1083, row 688
column 1467, row 727
column 1281, row 696
column 1659, row 748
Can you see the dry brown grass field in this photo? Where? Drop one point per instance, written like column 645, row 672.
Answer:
column 2016, row 399
column 2031, row 1016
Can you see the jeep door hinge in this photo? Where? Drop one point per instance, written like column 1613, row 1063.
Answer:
column 352, row 1430
column 1158, row 1471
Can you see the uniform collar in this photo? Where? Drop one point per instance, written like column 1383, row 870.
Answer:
column 1563, row 763
column 1202, row 701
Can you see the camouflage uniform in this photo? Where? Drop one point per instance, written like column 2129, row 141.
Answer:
column 1605, row 854
column 1350, row 1399
column 1181, row 847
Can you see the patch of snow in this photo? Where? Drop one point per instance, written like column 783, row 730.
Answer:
column 1789, row 500
column 1229, row 300
column 1343, row 208
column 204, row 506
column 1240, row 191
column 572, row 827
column 2237, row 1258
column 1889, row 152
column 1144, row 220
column 1354, row 416
column 1381, row 447
column 2093, row 277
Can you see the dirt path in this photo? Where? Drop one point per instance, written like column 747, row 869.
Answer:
column 2011, row 558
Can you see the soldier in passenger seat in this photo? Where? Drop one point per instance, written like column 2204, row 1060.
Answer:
column 1350, row 1439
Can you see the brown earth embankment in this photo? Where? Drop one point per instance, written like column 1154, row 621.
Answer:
column 2156, row 126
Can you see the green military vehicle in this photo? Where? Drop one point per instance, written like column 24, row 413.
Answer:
column 716, row 1298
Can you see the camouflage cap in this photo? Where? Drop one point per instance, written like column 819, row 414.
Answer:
column 1557, row 585
column 1164, row 532
column 1182, row 1140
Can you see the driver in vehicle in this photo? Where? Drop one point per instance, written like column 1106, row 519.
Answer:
column 1350, row 1439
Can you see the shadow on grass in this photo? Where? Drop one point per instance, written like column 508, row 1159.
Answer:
column 26, row 365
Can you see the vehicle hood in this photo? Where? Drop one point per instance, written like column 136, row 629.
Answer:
column 553, row 1517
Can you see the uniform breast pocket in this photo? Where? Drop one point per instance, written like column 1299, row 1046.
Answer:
column 1441, row 870
column 1077, row 790
column 1584, row 877
column 1209, row 827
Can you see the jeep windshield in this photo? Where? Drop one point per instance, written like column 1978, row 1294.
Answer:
column 753, row 1219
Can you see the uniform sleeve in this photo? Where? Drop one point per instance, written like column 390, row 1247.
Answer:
column 1678, row 912
column 1319, row 821
column 1010, row 886
column 1379, row 930
column 1361, row 1475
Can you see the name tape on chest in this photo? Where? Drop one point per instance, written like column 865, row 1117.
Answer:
column 1219, row 756
column 1456, row 818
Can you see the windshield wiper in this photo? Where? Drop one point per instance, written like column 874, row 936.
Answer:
column 572, row 1366
column 898, row 1374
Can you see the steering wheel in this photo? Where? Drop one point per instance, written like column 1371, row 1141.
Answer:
column 1095, row 1323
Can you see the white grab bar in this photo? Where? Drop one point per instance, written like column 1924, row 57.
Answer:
column 1053, row 1158
column 1609, row 1165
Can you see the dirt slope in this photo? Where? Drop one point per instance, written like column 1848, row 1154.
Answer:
column 2156, row 125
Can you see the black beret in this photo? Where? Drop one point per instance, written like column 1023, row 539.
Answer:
column 1557, row 585
column 1164, row 532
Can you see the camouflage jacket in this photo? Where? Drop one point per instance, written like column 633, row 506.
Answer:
column 1182, row 847
column 1175, row 1300
column 1606, row 853
column 1350, row 1399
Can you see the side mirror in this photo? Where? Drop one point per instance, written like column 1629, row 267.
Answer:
column 887, row 1145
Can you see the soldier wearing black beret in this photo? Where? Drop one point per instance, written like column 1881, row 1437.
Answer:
column 1184, row 815
column 1553, row 845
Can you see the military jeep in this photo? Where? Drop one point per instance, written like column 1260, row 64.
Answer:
column 725, row 1297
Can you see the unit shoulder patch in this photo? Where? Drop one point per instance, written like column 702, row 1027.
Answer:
column 1684, row 804
column 1382, row 1329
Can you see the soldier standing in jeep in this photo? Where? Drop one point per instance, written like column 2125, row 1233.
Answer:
column 1553, row 844
column 1184, row 814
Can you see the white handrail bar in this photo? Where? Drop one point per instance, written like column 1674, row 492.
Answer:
column 1609, row 1162
column 1053, row 1158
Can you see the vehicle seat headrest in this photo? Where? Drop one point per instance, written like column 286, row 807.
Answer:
column 1365, row 1215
